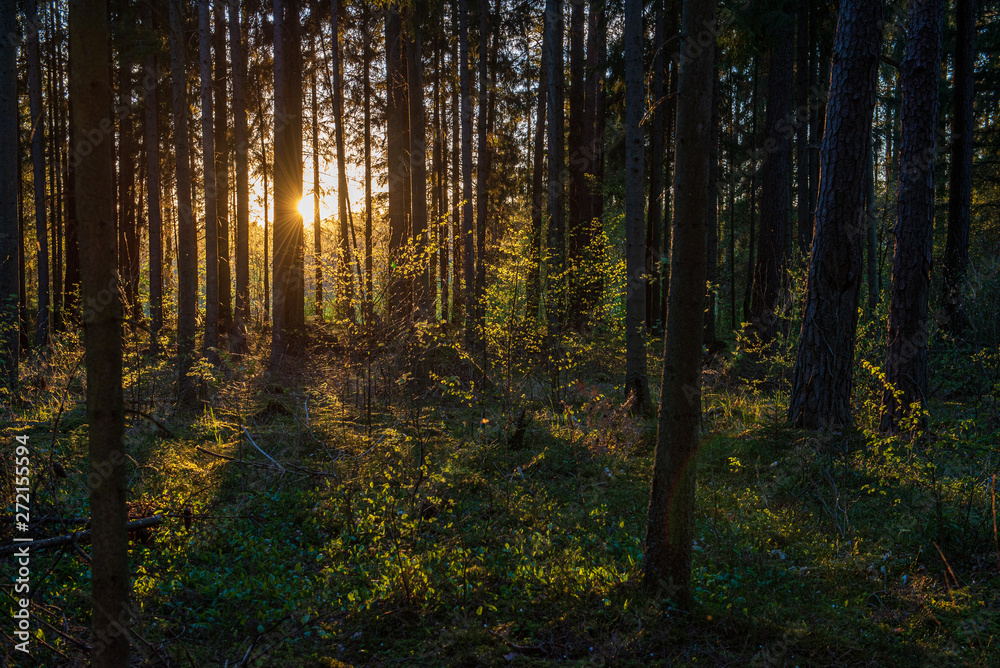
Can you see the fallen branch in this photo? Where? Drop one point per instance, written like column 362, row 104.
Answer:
column 75, row 537
column 254, row 444
column 267, row 467
column 160, row 425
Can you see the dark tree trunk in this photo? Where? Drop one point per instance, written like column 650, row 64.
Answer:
column 906, row 356
column 187, row 247
column 636, row 383
column 537, row 187
column 593, row 129
column 577, row 163
column 397, row 144
column 483, row 157
column 554, row 305
column 768, row 271
column 211, row 192
column 956, row 256
column 239, row 69
column 222, row 170
column 9, row 174
column 418, row 162
column 802, row 101
column 152, row 147
column 712, row 236
column 458, row 256
column 825, row 360
column 752, row 227
column 90, row 88
column 441, row 169
column 38, row 171
column 129, row 256
column 468, row 272
column 654, row 217
column 366, row 84
column 871, row 252
column 71, row 284
column 670, row 525
column 317, row 231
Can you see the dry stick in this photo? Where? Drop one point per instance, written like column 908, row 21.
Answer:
column 234, row 459
column 74, row 537
column 132, row 411
column 254, row 444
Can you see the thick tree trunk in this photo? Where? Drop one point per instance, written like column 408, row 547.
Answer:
column 418, row 162
column 670, row 525
column 241, row 318
column 555, row 297
column 90, row 87
column 578, row 159
column 397, row 144
column 222, row 170
column 211, row 191
column 956, row 256
column 825, row 360
column 187, row 247
column 906, row 356
column 152, row 148
column 768, row 272
column 636, row 383
column 9, row 174
column 38, row 171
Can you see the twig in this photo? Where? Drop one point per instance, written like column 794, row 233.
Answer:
column 160, row 425
column 254, row 444
column 234, row 459
column 74, row 537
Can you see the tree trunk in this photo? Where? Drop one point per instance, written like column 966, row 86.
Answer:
column 397, row 144
column 712, row 237
column 654, row 217
column 346, row 284
column 211, row 191
column 768, row 271
column 456, row 178
column 956, row 256
column 187, row 247
column 222, row 170
column 366, row 84
column 636, row 383
column 906, row 356
column 152, row 147
column 578, row 159
column 598, row 43
column 871, row 257
column 555, row 298
column 317, row 231
column 242, row 312
column 38, row 172
column 802, row 71
column 128, row 237
column 537, row 187
column 90, row 88
column 483, row 158
column 418, row 162
column 825, row 360
column 466, row 99
column 9, row 174
column 670, row 525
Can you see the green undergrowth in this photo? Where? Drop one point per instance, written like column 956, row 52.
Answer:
column 437, row 525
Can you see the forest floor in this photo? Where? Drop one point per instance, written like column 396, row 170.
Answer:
column 358, row 514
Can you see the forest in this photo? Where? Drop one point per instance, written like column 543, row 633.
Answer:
column 499, row 332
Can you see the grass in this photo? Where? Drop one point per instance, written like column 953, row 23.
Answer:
column 418, row 521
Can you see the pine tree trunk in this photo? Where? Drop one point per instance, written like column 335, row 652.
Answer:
column 397, row 144
column 225, row 280
column 9, row 174
column 802, row 71
column 654, row 217
column 346, row 284
column 90, row 87
column 956, row 256
column 906, row 356
column 712, row 236
column 458, row 256
column 241, row 319
column 152, row 149
column 578, row 159
column 537, row 188
column 418, row 162
column 366, row 84
column 38, row 172
column 483, row 157
column 555, row 298
column 211, row 191
column 465, row 94
column 317, row 231
column 825, row 360
column 187, row 248
column 636, row 383
column 670, row 524
column 129, row 255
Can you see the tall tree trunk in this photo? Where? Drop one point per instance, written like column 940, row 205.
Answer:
column 802, row 101
column 187, row 246
column 90, row 87
column 768, row 271
column 346, row 283
column 817, row 122
column 537, row 186
column 317, row 231
column 466, row 98
column 752, row 227
column 906, row 356
column 597, row 44
column 71, row 279
column 152, row 148
column 825, row 360
column 397, row 132
column 458, row 256
column 654, row 217
column 670, row 524
column 956, row 256
column 222, row 169
column 483, row 159
column 577, row 163
column 871, row 251
column 242, row 313
column 38, row 164
column 636, row 383
column 556, row 156
column 211, row 191
column 366, row 84
column 9, row 174
column 418, row 161
column 129, row 255
column 441, row 190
